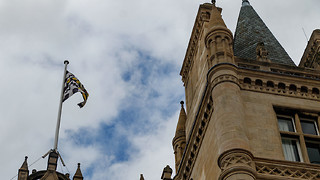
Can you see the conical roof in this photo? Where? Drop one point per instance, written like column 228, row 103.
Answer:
column 181, row 122
column 24, row 165
column 78, row 174
column 250, row 31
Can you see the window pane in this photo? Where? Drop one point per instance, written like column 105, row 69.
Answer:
column 308, row 127
column 290, row 150
column 285, row 124
column 313, row 152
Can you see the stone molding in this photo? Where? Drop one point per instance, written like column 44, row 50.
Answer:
column 226, row 73
column 239, row 161
column 277, row 169
column 236, row 161
column 195, row 139
column 202, row 17
column 235, row 157
column 278, row 84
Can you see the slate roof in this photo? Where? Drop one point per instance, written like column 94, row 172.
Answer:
column 250, row 31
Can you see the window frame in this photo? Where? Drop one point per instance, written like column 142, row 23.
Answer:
column 297, row 146
column 292, row 121
column 301, row 138
column 314, row 123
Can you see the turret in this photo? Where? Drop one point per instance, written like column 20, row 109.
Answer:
column 166, row 174
column 219, row 39
column 311, row 55
column 23, row 172
column 78, row 174
column 179, row 140
column 141, row 177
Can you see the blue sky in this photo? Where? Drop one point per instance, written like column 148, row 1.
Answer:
column 128, row 55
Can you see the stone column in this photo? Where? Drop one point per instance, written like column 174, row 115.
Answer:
column 229, row 124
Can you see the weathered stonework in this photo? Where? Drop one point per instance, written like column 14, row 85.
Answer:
column 311, row 56
column 233, row 97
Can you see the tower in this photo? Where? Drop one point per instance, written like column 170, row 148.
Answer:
column 251, row 113
column 50, row 173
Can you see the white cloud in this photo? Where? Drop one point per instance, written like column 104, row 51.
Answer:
column 105, row 41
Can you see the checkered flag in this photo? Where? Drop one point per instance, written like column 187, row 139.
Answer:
column 71, row 86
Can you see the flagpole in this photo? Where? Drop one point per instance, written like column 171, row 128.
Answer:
column 66, row 62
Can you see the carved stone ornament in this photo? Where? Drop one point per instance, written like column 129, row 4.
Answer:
column 262, row 53
column 235, row 157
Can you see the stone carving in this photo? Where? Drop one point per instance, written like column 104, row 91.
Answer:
column 193, row 44
column 287, row 171
column 262, row 53
column 302, row 91
column 235, row 157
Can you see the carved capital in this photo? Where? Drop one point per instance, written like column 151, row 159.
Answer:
column 235, row 157
column 237, row 162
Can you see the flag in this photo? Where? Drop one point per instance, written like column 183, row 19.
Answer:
column 71, row 86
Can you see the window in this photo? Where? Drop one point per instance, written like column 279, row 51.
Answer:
column 313, row 152
column 309, row 126
column 290, row 149
column 300, row 136
column 286, row 123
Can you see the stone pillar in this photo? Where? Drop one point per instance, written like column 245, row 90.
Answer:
column 228, row 115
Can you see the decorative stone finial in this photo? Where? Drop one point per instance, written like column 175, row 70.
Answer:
column 213, row 2
column 181, row 102
column 166, row 174
column 78, row 174
column 245, row 3
column 25, row 163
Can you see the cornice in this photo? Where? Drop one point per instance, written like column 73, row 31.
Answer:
column 280, row 84
column 202, row 17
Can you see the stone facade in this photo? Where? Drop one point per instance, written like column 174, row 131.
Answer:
column 236, row 102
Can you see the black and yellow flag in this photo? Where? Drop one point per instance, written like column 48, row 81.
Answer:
column 71, row 86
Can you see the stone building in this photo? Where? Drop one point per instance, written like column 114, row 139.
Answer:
column 50, row 173
column 251, row 113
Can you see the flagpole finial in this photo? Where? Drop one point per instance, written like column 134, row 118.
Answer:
column 66, row 62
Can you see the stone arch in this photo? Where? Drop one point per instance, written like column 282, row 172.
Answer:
column 281, row 86
column 270, row 84
column 258, row 82
column 247, row 80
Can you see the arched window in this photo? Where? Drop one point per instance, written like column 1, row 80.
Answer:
column 258, row 82
column 270, row 84
column 304, row 89
column 315, row 91
column 247, row 80
column 292, row 87
column 281, row 86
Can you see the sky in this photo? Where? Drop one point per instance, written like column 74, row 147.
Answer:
column 128, row 55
